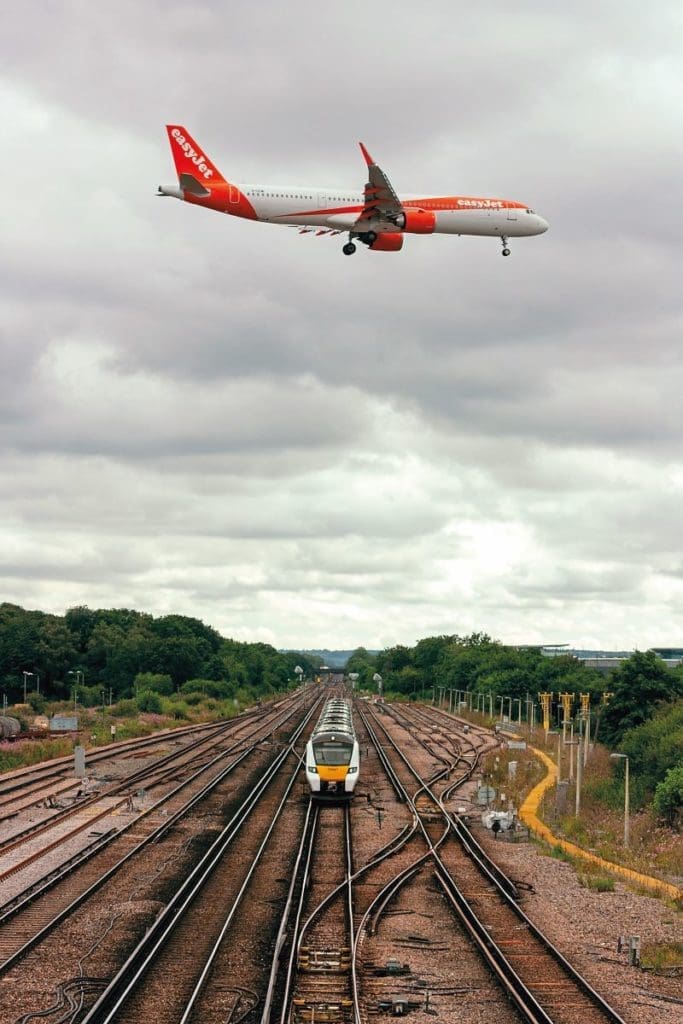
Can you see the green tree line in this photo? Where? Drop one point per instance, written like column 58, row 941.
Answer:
column 126, row 651
column 642, row 716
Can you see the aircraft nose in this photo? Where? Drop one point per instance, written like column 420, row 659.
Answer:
column 542, row 224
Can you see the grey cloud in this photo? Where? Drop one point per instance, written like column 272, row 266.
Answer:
column 197, row 410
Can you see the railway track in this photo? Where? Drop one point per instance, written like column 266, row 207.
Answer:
column 187, row 937
column 536, row 977
column 27, row 780
column 276, row 923
column 36, row 911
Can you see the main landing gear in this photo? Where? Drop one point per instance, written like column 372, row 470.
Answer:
column 506, row 251
column 366, row 237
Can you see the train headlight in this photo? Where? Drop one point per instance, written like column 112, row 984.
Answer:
column 312, row 769
column 352, row 770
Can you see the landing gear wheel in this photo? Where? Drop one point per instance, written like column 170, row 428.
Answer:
column 371, row 237
column 506, row 252
column 504, row 243
column 349, row 249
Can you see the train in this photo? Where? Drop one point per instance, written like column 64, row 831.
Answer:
column 332, row 754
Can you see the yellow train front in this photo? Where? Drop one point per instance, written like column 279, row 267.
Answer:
column 332, row 754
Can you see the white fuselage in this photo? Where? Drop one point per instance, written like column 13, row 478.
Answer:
column 339, row 209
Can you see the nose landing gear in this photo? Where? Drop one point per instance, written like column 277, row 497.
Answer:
column 506, row 251
column 348, row 249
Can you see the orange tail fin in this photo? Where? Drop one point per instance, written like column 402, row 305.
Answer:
column 189, row 158
column 200, row 180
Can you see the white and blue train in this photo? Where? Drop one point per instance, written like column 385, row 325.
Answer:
column 332, row 753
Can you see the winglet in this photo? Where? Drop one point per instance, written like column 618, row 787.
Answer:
column 368, row 159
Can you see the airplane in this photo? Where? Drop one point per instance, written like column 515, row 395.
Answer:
column 375, row 216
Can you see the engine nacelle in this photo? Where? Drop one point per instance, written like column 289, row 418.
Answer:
column 388, row 241
column 417, row 222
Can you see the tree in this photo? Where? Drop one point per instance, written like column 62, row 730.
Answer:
column 154, row 682
column 639, row 685
column 655, row 747
column 364, row 663
column 668, row 798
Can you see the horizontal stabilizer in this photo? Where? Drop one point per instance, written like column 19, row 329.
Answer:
column 189, row 183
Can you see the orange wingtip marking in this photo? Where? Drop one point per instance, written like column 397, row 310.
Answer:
column 368, row 159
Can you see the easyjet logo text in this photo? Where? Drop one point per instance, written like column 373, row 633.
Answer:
column 191, row 153
column 481, row 204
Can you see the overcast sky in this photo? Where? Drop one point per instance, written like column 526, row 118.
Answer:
column 233, row 421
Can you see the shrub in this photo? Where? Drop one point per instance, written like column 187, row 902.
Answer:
column 126, row 708
column 178, row 709
column 598, row 883
column 153, row 682
column 668, row 799
column 150, row 702
column 192, row 698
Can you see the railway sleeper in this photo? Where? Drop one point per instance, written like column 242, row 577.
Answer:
column 334, row 961
column 307, row 1011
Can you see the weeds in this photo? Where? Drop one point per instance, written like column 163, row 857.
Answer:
column 661, row 955
column 598, row 883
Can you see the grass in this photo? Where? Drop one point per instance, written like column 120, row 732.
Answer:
column 23, row 753
column 654, row 848
column 596, row 882
column 95, row 727
column 662, row 955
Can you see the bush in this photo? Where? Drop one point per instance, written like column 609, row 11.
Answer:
column 668, row 799
column 216, row 688
column 192, row 698
column 149, row 702
column 126, row 708
column 153, row 682
column 177, row 709
column 598, row 883
column 37, row 702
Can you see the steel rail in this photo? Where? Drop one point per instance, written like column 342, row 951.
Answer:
column 349, row 912
column 344, row 889
column 21, row 901
column 82, row 897
column 298, row 882
column 474, row 850
column 135, row 777
column 17, row 778
column 208, row 963
column 58, row 765
column 140, row 960
column 152, row 773
column 514, row 985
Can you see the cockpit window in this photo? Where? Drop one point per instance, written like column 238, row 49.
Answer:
column 529, row 211
column 332, row 752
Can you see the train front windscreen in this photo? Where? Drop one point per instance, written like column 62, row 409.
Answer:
column 332, row 752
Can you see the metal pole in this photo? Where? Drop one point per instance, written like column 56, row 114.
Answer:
column 626, row 807
column 579, row 766
column 559, row 758
column 26, row 675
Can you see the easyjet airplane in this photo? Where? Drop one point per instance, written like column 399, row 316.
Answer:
column 376, row 216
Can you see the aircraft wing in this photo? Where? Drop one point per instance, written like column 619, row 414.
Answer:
column 382, row 206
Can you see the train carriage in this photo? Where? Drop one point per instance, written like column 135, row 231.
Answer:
column 332, row 754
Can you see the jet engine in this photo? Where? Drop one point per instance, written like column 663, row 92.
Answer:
column 416, row 222
column 388, row 241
